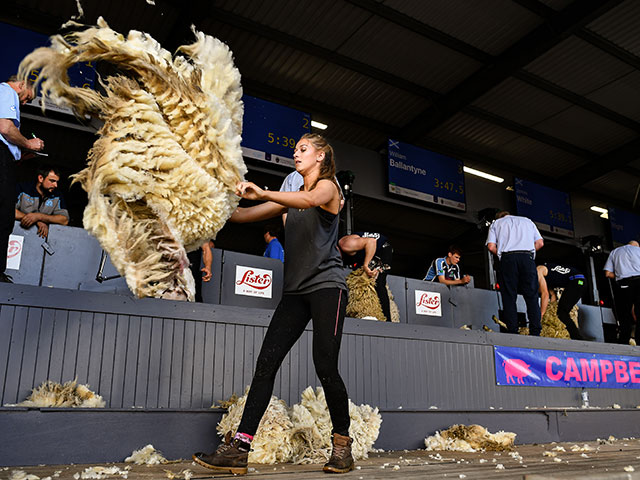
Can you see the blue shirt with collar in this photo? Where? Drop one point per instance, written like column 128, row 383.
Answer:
column 274, row 250
column 440, row 267
column 10, row 109
column 512, row 233
column 624, row 262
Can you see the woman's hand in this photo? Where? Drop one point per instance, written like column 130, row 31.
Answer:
column 249, row 191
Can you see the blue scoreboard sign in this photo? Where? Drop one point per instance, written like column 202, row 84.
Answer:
column 24, row 42
column 425, row 175
column 550, row 209
column 271, row 131
column 625, row 226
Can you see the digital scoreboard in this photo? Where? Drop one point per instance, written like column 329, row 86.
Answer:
column 425, row 175
column 22, row 43
column 270, row 131
column 549, row 208
column 625, row 226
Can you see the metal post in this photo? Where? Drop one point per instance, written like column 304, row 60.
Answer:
column 595, row 296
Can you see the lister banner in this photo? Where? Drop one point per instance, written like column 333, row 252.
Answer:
column 558, row 368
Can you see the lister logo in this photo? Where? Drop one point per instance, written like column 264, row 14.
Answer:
column 428, row 303
column 14, row 251
column 254, row 282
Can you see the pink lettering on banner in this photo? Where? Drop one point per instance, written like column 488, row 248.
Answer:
column 255, row 281
column 549, row 368
column 572, row 370
column 514, row 367
column 429, row 301
column 606, row 367
column 590, row 370
column 634, row 372
column 621, row 371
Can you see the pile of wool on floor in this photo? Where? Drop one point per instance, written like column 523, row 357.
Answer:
column 302, row 433
column 147, row 455
column 161, row 177
column 471, row 438
column 69, row 394
column 363, row 299
column 552, row 326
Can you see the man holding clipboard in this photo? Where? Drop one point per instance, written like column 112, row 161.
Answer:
column 13, row 94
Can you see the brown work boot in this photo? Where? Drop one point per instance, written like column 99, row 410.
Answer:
column 231, row 456
column 341, row 460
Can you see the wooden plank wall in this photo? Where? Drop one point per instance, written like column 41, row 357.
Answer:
column 171, row 355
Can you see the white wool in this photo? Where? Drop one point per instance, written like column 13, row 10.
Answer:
column 100, row 472
column 302, row 434
column 22, row 475
column 162, row 175
column 69, row 394
column 470, row 438
column 146, row 456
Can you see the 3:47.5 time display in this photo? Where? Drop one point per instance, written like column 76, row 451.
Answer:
column 450, row 186
column 282, row 140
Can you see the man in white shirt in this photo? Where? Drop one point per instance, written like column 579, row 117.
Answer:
column 623, row 264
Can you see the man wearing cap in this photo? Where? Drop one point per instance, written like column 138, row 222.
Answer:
column 13, row 94
column 515, row 241
column 623, row 264
column 551, row 276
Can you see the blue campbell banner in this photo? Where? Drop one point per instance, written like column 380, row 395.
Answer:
column 558, row 368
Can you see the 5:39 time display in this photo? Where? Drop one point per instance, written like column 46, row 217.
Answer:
column 282, row 140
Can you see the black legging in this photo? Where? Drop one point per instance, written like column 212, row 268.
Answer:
column 570, row 296
column 7, row 201
column 326, row 307
column 386, row 255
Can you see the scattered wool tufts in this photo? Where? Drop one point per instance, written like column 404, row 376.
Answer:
column 363, row 299
column 470, row 438
column 100, row 472
column 161, row 176
column 71, row 394
column 146, row 456
column 302, row 434
column 185, row 474
column 22, row 475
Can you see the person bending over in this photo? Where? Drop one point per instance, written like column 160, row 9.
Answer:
column 314, row 287
column 372, row 251
column 446, row 269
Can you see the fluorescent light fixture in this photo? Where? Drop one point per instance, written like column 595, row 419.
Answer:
column 604, row 213
column 478, row 173
column 318, row 125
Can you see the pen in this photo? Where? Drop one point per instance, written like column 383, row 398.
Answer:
column 33, row 135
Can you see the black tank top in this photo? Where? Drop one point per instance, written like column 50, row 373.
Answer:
column 558, row 276
column 312, row 258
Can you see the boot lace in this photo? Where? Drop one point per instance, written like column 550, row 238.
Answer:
column 339, row 451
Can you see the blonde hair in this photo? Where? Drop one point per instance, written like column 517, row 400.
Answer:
column 328, row 165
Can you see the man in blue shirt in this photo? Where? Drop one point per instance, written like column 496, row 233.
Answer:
column 274, row 247
column 446, row 269
column 13, row 94
column 623, row 264
column 515, row 241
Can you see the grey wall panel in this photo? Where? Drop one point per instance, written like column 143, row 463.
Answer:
column 446, row 317
column 211, row 289
column 233, row 259
column 607, row 316
column 196, row 355
column 398, row 287
column 476, row 307
column 590, row 321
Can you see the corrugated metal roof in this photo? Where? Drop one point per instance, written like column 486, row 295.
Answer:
column 328, row 23
column 472, row 133
column 539, row 157
column 490, row 26
column 344, row 88
column 620, row 26
column 622, row 95
column 586, row 130
column 578, row 66
column 615, row 184
column 521, row 102
column 408, row 55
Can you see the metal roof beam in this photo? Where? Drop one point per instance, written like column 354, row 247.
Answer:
column 608, row 162
column 523, row 52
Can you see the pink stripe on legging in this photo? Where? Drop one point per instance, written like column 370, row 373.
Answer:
column 335, row 332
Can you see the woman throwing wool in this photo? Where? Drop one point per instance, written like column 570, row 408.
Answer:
column 314, row 286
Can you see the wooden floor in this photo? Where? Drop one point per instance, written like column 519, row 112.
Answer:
column 606, row 460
